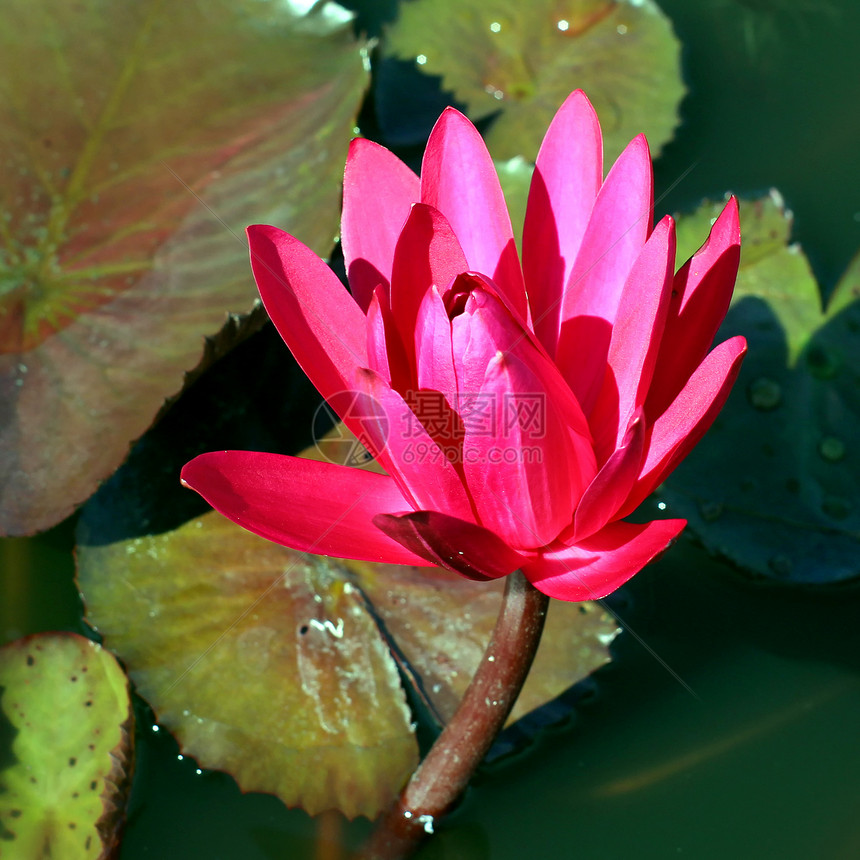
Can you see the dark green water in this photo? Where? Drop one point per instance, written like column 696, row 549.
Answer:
column 727, row 726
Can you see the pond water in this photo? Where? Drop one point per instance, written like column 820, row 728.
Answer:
column 727, row 724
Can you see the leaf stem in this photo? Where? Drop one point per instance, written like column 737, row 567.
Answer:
column 445, row 772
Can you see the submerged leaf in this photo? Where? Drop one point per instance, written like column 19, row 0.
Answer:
column 64, row 796
column 775, row 485
column 138, row 140
column 521, row 60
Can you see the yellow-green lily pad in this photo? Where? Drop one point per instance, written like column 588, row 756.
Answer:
column 68, row 701
column 521, row 60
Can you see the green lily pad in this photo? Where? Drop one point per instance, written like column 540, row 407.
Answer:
column 64, row 796
column 775, row 485
column 521, row 60
column 138, row 140
column 284, row 669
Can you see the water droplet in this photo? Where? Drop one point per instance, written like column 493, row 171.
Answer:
column 711, row 511
column 421, row 59
column 823, row 363
column 832, row 448
column 621, row 29
column 495, row 27
column 764, row 393
column 563, row 25
column 836, row 507
column 781, row 565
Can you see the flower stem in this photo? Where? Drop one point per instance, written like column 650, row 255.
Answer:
column 445, row 772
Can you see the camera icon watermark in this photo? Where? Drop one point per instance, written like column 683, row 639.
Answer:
column 333, row 439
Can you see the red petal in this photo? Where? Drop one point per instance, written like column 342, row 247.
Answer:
column 610, row 488
column 617, row 230
column 433, row 348
column 312, row 507
column 463, row 547
column 598, row 565
column 635, row 339
column 378, row 189
column 458, row 178
column 701, row 294
column 682, row 425
column 406, row 451
column 427, row 254
column 317, row 318
column 567, row 177
column 524, row 462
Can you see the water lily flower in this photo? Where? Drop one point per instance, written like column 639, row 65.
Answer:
column 520, row 410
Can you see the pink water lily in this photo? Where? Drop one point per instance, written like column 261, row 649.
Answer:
column 520, row 411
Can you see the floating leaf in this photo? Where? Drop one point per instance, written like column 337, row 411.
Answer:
column 521, row 60
column 263, row 662
column 270, row 664
column 440, row 624
column 138, row 140
column 65, row 794
column 775, row 485
column 282, row 668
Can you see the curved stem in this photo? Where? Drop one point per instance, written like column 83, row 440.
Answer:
column 445, row 772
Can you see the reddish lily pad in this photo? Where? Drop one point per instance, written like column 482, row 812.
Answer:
column 521, row 60
column 775, row 485
column 140, row 141
column 64, row 796
column 440, row 624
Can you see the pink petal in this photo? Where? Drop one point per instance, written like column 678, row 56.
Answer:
column 317, row 318
column 378, row 189
column 385, row 352
column 458, row 178
column 701, row 294
column 427, row 254
column 635, row 339
column 524, row 464
column 567, row 177
column 433, row 348
column 610, row 488
column 461, row 546
column 598, row 565
column 619, row 225
column 407, row 452
column 682, row 425
column 312, row 507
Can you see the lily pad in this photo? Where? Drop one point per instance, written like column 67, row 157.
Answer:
column 64, row 796
column 284, row 669
column 521, row 60
column 775, row 485
column 275, row 666
column 138, row 143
